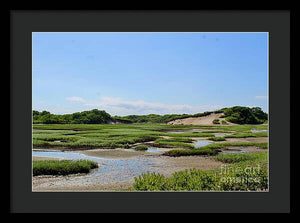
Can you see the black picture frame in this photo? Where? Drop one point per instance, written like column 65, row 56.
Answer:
column 24, row 22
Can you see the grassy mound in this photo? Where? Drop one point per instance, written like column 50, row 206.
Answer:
column 217, row 138
column 212, row 149
column 141, row 147
column 191, row 152
column 62, row 167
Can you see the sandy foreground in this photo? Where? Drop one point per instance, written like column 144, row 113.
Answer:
column 120, row 177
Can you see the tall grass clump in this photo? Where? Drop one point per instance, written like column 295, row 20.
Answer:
column 199, row 180
column 221, row 145
column 245, row 172
column 141, row 147
column 217, row 138
column 258, row 157
column 191, row 152
column 62, row 167
column 170, row 143
column 151, row 182
column 234, row 157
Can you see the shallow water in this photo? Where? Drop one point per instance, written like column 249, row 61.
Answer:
column 64, row 155
column 153, row 150
column 177, row 132
column 241, row 151
column 109, row 169
column 255, row 130
column 220, row 134
column 201, row 142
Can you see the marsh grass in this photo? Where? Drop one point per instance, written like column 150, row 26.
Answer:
column 263, row 145
column 212, row 149
column 76, row 136
column 62, row 167
column 236, row 158
column 217, row 138
column 246, row 135
column 191, row 152
column 169, row 143
column 141, row 147
column 248, row 173
column 127, row 135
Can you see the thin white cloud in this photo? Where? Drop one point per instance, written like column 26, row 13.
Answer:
column 261, row 97
column 118, row 106
column 76, row 99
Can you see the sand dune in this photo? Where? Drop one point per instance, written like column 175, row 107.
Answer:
column 205, row 120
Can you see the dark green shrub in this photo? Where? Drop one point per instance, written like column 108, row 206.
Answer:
column 216, row 121
column 245, row 115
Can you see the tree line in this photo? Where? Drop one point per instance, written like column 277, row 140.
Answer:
column 236, row 114
column 94, row 116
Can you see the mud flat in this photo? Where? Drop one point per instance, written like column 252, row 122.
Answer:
column 118, row 174
column 111, row 153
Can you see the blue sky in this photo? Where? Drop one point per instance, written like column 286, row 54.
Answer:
column 144, row 73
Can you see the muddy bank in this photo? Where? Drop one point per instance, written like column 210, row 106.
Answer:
column 249, row 139
column 241, row 149
column 66, row 148
column 44, row 158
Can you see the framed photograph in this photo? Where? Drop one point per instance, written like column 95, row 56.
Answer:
column 150, row 111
